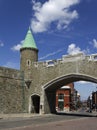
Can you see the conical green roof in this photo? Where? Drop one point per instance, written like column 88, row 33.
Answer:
column 29, row 41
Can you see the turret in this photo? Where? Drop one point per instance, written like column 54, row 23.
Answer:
column 29, row 52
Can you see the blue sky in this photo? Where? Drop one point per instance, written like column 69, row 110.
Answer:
column 59, row 28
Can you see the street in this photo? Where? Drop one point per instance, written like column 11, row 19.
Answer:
column 49, row 122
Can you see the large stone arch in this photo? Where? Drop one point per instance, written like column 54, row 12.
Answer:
column 65, row 79
column 50, row 88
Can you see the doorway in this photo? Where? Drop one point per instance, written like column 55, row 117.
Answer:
column 35, row 103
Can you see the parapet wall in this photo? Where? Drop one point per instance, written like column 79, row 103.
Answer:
column 10, row 73
column 66, row 58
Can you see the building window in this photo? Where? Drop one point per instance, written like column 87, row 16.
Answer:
column 28, row 62
column 60, row 96
column 60, row 102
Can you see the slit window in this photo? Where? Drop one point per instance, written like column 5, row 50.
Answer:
column 28, row 63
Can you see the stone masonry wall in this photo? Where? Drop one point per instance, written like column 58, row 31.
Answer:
column 12, row 91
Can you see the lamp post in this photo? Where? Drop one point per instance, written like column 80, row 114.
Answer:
column 96, row 100
column 90, row 104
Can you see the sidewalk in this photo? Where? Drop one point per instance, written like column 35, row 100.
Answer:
column 27, row 115
column 19, row 115
column 77, row 113
column 91, row 114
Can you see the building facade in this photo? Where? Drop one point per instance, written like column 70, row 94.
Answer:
column 63, row 98
column 67, row 98
column 94, row 100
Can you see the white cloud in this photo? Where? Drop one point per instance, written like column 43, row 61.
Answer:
column 50, row 54
column 87, row 51
column 17, row 47
column 1, row 44
column 53, row 11
column 73, row 49
column 83, row 82
column 95, row 43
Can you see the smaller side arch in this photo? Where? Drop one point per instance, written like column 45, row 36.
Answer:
column 34, row 103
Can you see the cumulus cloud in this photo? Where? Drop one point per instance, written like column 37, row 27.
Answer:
column 1, row 44
column 53, row 11
column 73, row 49
column 17, row 47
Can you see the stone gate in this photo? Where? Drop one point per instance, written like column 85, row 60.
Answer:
column 37, row 81
column 51, row 75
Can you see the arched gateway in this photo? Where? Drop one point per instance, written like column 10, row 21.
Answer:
column 45, row 77
column 51, row 87
column 32, row 88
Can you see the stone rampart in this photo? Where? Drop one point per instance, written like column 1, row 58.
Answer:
column 11, row 91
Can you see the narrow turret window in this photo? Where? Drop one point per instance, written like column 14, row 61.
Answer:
column 28, row 63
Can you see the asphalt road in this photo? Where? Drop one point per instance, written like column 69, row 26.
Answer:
column 19, row 123
column 89, row 123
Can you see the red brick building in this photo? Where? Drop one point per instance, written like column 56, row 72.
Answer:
column 65, row 98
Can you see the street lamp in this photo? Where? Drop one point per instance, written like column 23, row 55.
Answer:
column 95, row 99
column 90, row 104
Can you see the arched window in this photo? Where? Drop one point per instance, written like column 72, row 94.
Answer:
column 28, row 62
